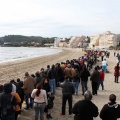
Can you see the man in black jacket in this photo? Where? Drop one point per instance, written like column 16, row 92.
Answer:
column 85, row 109
column 110, row 111
column 67, row 91
column 95, row 77
column 84, row 79
column 7, row 103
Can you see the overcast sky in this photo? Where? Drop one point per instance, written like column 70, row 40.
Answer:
column 59, row 18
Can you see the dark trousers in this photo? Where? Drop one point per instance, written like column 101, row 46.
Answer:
column 29, row 100
column 57, row 81
column 10, row 117
column 66, row 97
column 16, row 114
column 94, row 87
column 116, row 79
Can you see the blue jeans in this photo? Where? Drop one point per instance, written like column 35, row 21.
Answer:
column 28, row 103
column 101, row 83
column 52, row 85
column 40, row 109
column 76, row 85
column 84, row 86
column 104, row 68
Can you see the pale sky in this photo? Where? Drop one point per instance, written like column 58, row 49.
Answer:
column 59, row 18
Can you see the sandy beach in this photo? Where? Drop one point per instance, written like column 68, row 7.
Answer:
column 17, row 69
column 13, row 70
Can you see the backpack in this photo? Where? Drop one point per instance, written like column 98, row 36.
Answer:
column 50, row 103
column 51, row 98
column 7, row 104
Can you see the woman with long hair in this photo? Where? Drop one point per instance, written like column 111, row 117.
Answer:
column 40, row 101
column 45, row 85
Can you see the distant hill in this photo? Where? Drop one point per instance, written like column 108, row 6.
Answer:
column 19, row 40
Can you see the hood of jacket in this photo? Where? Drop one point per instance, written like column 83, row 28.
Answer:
column 111, row 105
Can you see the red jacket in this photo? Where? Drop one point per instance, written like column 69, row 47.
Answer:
column 116, row 73
column 101, row 75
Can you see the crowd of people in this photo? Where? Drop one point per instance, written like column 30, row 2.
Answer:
column 38, row 90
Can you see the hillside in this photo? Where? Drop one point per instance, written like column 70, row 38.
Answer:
column 19, row 40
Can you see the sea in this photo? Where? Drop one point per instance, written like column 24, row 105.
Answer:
column 8, row 54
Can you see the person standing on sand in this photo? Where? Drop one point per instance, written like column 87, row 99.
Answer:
column 52, row 81
column 84, row 79
column 68, row 71
column 85, row 109
column 7, row 103
column 47, row 70
column 75, row 78
column 18, row 99
column 59, row 73
column 20, row 84
column 101, row 79
column 38, row 78
column 95, row 77
column 114, row 54
column 28, row 86
column 116, row 73
column 40, row 101
column 111, row 110
column 67, row 91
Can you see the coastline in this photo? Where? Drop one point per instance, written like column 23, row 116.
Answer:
column 13, row 70
column 16, row 69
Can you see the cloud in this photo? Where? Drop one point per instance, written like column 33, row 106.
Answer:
column 60, row 18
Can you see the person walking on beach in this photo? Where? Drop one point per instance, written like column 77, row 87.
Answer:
column 67, row 91
column 114, row 54
column 104, row 65
column 101, row 81
column 116, row 73
column 28, row 86
column 40, row 101
column 85, row 109
column 111, row 110
column 95, row 77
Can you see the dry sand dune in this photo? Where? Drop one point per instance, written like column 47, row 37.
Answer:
column 17, row 69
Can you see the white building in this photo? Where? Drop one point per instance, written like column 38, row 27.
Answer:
column 57, row 41
column 106, row 39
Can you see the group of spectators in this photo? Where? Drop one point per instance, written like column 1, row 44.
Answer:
column 35, row 88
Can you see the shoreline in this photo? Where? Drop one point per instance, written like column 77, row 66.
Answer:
column 16, row 69
column 30, row 56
